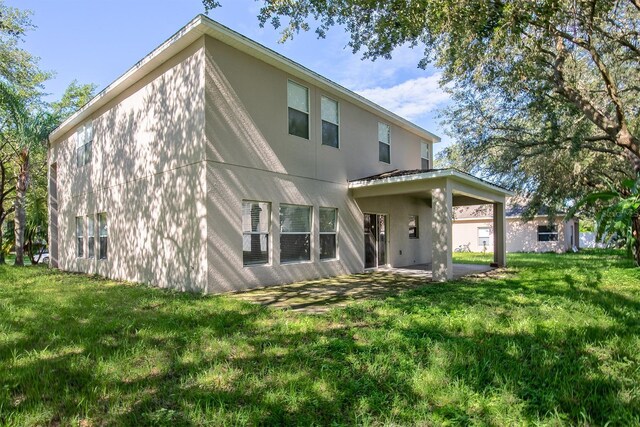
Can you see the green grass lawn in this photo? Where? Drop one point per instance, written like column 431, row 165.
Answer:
column 556, row 341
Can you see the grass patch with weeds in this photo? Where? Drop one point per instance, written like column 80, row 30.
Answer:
column 556, row 341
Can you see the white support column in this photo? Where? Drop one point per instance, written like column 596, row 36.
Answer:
column 499, row 235
column 442, row 209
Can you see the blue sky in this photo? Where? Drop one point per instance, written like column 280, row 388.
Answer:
column 96, row 42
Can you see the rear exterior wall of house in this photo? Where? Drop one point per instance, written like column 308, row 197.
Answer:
column 252, row 157
column 177, row 156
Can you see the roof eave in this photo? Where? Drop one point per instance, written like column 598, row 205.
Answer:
column 450, row 173
column 201, row 25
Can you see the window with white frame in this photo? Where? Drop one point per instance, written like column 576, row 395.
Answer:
column 425, row 158
column 413, row 227
column 103, row 235
column 298, row 103
column 84, row 142
column 547, row 233
column 384, row 142
column 79, row 237
column 330, row 122
column 484, row 237
column 91, row 240
column 328, row 233
column 255, row 232
column 295, row 233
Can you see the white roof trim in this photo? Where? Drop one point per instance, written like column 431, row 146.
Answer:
column 447, row 173
column 201, row 25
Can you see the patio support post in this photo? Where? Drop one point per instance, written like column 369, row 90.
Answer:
column 442, row 219
column 499, row 235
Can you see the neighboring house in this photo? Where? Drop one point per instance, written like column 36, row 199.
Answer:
column 216, row 164
column 472, row 226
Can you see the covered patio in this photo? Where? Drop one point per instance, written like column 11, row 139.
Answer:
column 439, row 190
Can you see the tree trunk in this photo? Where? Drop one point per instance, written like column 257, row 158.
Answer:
column 635, row 229
column 20, row 208
column 2, row 260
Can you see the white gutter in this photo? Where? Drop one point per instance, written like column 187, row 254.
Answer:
column 201, row 25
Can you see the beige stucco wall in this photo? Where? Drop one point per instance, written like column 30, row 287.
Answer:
column 175, row 154
column 148, row 175
column 247, row 125
column 521, row 236
column 251, row 156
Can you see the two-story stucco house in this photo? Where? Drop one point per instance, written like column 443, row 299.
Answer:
column 216, row 164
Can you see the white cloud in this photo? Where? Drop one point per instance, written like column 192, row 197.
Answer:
column 410, row 99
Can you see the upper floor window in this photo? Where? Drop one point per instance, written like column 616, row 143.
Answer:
column 295, row 233
column 384, row 142
column 330, row 122
column 84, row 140
column 547, row 233
column 425, row 158
column 255, row 232
column 298, row 103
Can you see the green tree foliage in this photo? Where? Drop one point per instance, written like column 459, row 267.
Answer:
column 17, row 66
column 617, row 215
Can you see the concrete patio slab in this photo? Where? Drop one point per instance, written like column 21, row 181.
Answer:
column 320, row 295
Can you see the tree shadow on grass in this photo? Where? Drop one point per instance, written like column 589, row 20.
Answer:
column 513, row 350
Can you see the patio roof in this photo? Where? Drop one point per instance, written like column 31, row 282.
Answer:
column 466, row 189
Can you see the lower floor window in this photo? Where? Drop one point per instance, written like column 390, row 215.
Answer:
column 328, row 233
column 103, row 235
column 255, row 232
column 547, row 233
column 295, row 233
column 91, row 240
column 79, row 237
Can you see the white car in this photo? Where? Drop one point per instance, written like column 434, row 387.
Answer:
column 42, row 258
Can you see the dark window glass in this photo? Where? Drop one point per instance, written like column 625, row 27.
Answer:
column 91, row 241
column 255, row 249
column 103, row 247
column 384, row 150
column 87, row 153
column 298, row 123
column 330, row 134
column 425, row 164
column 295, row 247
column 547, row 233
column 327, row 246
column 103, row 235
column 413, row 227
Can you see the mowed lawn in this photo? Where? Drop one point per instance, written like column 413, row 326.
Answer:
column 554, row 341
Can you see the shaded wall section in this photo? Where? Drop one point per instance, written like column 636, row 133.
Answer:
column 147, row 174
column 402, row 250
column 229, row 185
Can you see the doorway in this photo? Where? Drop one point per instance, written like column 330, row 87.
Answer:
column 375, row 240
